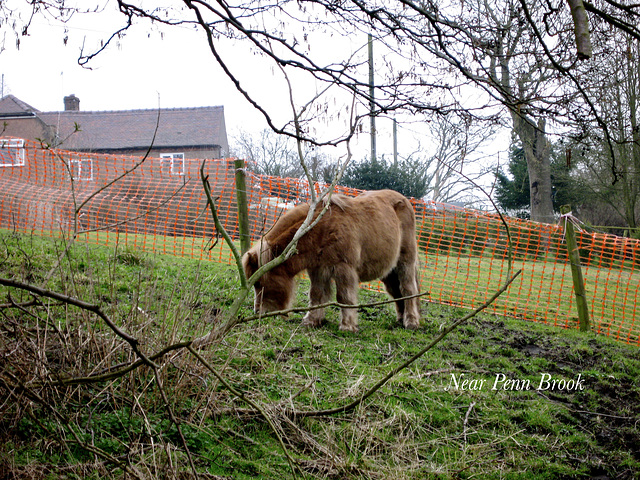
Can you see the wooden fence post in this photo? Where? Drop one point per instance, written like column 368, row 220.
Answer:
column 576, row 269
column 243, row 207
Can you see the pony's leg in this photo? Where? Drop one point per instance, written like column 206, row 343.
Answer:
column 347, row 283
column 319, row 293
column 392, row 284
column 408, row 278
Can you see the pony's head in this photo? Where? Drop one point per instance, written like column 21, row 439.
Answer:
column 273, row 290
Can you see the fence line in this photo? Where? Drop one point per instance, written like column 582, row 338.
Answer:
column 160, row 207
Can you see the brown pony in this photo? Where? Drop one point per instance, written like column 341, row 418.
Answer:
column 357, row 240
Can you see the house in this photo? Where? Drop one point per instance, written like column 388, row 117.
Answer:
column 97, row 160
column 174, row 134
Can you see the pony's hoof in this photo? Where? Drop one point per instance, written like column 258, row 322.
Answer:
column 412, row 326
column 349, row 328
column 312, row 322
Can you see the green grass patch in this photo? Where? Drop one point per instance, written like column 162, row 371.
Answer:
column 421, row 424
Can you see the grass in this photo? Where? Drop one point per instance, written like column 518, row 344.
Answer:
column 200, row 248
column 416, row 426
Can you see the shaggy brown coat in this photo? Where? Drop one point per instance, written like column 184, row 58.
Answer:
column 357, row 240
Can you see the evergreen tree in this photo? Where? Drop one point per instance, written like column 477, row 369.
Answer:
column 512, row 190
column 512, row 194
column 371, row 174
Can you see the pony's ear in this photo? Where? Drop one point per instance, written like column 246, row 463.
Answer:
column 250, row 263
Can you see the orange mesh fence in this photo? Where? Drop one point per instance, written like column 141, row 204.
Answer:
column 159, row 205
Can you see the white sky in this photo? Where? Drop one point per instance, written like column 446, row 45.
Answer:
column 145, row 70
column 141, row 71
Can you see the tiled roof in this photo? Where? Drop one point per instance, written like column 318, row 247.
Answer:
column 11, row 106
column 134, row 129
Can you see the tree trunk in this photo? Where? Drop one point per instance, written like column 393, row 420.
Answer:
column 533, row 137
column 581, row 28
column 634, row 181
column 537, row 155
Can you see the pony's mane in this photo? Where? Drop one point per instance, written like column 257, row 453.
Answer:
column 285, row 228
column 339, row 200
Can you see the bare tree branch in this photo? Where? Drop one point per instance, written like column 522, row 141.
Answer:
column 581, row 27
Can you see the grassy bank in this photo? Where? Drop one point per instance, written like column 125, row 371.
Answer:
column 478, row 405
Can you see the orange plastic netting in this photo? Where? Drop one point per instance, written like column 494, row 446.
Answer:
column 159, row 205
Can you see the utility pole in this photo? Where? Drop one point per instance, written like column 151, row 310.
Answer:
column 372, row 103
column 395, row 143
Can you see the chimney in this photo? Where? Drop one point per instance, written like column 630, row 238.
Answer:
column 71, row 103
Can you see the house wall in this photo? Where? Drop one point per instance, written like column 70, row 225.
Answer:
column 29, row 128
column 192, row 153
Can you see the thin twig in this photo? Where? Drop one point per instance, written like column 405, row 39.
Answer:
column 93, row 194
column 466, row 420
column 219, row 227
column 173, row 419
column 132, row 341
column 133, row 219
column 247, row 400
column 114, row 372
column 64, row 423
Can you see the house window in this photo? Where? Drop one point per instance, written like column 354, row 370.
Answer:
column 12, row 152
column 82, row 169
column 172, row 163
